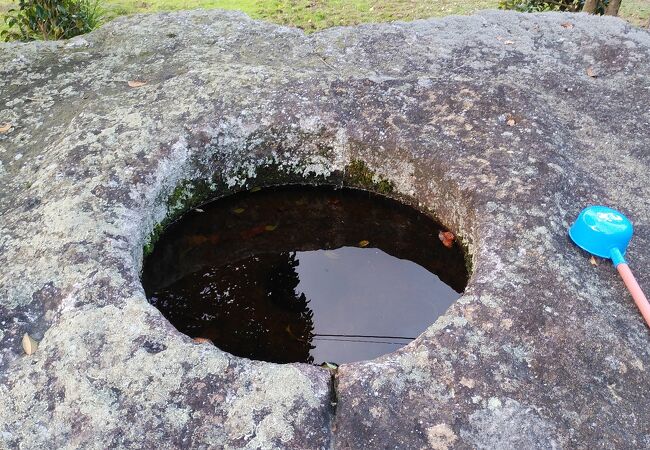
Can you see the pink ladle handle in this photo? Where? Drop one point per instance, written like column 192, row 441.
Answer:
column 634, row 288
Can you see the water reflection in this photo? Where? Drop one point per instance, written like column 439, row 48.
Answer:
column 304, row 275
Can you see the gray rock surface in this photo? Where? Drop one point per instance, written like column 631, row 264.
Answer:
column 544, row 350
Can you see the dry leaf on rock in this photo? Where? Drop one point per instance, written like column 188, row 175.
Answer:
column 508, row 42
column 5, row 127
column 136, row 83
column 511, row 121
column 567, row 25
column 30, row 345
column 364, row 243
column 201, row 340
column 593, row 261
column 591, row 72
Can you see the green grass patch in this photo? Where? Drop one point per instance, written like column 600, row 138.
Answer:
column 313, row 15
column 636, row 12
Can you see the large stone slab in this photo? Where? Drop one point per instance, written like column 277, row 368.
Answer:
column 491, row 122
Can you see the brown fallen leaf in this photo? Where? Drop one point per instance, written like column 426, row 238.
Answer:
column 593, row 261
column 271, row 227
column 136, row 83
column 5, row 127
column 30, row 345
column 447, row 238
column 364, row 243
column 567, row 25
column 202, row 340
column 591, row 72
column 511, row 122
column 256, row 188
column 238, row 210
column 252, row 232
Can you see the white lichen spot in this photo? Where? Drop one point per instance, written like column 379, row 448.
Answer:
column 493, row 403
column 259, row 410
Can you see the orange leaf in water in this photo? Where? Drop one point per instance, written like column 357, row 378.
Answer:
column 238, row 210
column 196, row 239
column 252, row 232
column 364, row 243
column 136, row 83
column 447, row 238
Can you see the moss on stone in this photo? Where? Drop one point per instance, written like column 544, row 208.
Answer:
column 187, row 195
column 153, row 238
column 358, row 173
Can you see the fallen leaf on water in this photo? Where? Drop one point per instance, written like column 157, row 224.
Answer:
column 593, row 261
column 330, row 365
column 591, row 72
column 29, row 344
column 567, row 25
column 256, row 188
column 252, row 232
column 5, row 127
column 447, row 238
column 238, row 210
column 136, row 83
column 364, row 243
column 270, row 227
column 201, row 340
column 196, row 240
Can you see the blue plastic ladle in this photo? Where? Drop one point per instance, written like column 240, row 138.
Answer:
column 606, row 233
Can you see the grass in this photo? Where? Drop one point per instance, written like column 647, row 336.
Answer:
column 313, row 15
column 636, row 12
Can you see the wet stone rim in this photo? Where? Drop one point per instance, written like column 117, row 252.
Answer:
column 305, row 160
column 188, row 247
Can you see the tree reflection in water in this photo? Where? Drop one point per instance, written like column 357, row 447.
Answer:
column 274, row 323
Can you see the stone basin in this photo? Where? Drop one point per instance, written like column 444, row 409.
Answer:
column 503, row 125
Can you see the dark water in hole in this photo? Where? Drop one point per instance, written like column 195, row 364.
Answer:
column 304, row 274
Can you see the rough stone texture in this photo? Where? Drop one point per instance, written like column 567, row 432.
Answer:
column 545, row 350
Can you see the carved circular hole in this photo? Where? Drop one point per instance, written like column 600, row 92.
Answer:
column 305, row 274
